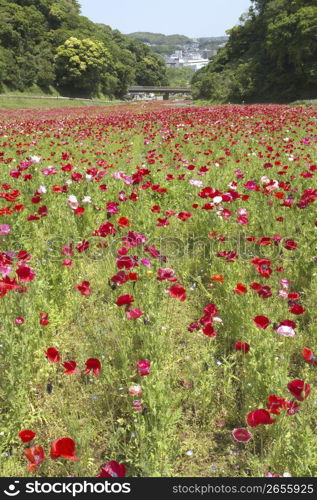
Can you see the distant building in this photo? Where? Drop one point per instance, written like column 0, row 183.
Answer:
column 208, row 53
column 190, row 58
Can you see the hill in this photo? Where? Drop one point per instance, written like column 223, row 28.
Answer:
column 160, row 39
column 167, row 44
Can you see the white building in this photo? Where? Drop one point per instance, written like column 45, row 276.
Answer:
column 192, row 59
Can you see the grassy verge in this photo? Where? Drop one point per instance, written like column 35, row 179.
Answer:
column 25, row 103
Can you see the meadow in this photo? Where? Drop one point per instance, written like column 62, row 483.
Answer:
column 158, row 291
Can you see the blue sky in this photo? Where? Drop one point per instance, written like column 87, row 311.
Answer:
column 194, row 18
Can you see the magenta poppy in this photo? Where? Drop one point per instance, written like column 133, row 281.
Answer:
column 112, row 469
column 19, row 321
column 166, row 274
column 242, row 435
column 134, row 313
column 143, row 367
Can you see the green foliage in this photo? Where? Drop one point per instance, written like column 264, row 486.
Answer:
column 150, row 71
column 270, row 56
column 160, row 39
column 80, row 64
column 179, row 76
column 33, row 51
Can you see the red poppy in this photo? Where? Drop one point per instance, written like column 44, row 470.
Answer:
column 290, row 245
column 52, row 355
column 262, row 266
column 242, row 435
column 240, row 289
column 177, row 292
column 84, row 288
column 126, row 262
column 35, row 456
column 124, row 300
column 184, row 215
column 123, row 222
column 105, row 229
column 44, row 319
column 193, row 326
column 26, row 435
column 166, row 274
column 217, row 277
column 65, row 448
column 209, row 331
column 211, row 310
column 299, row 389
column 259, row 417
column 112, row 469
column 243, row 347
column 143, row 367
column 265, row 292
column 275, row 403
column 256, row 286
column 94, row 365
column 70, row 367
column 309, row 356
column 82, row 246
column 25, row 273
column 7, row 284
column 297, row 309
column 261, row 322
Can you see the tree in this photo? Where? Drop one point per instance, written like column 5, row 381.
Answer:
column 82, row 64
column 150, row 71
column 271, row 55
column 35, row 50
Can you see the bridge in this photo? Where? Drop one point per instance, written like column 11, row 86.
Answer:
column 165, row 91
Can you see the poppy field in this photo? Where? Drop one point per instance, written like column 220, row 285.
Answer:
column 158, row 291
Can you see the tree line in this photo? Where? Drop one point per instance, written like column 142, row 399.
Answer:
column 271, row 56
column 48, row 43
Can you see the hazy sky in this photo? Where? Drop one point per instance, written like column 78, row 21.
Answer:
column 193, row 18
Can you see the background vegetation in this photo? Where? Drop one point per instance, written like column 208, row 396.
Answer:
column 270, row 56
column 167, row 44
column 49, row 44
